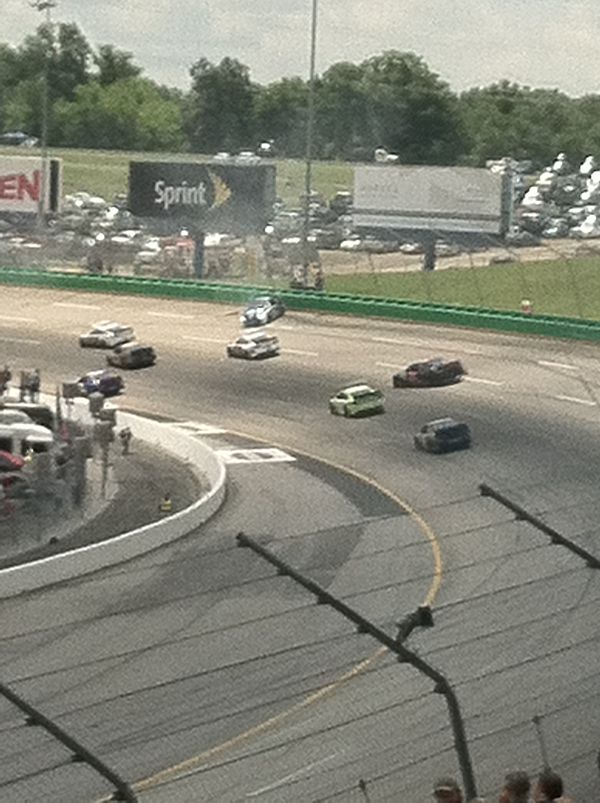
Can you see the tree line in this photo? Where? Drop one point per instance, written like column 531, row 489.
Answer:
column 99, row 98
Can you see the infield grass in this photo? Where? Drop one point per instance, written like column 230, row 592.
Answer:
column 555, row 287
column 569, row 287
column 106, row 173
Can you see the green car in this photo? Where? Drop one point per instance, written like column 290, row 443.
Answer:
column 357, row 400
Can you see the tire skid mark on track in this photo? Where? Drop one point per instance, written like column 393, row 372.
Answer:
column 187, row 765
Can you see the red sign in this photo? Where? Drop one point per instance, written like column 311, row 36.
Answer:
column 20, row 186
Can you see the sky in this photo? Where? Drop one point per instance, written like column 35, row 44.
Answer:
column 468, row 43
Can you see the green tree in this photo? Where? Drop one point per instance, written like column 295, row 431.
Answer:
column 114, row 65
column 280, row 113
column 59, row 54
column 506, row 119
column 8, row 81
column 220, row 106
column 125, row 115
column 341, row 112
column 410, row 111
column 63, row 51
column 22, row 108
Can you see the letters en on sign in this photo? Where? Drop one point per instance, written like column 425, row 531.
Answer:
column 21, row 184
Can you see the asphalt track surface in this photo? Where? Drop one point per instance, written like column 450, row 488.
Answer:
column 202, row 675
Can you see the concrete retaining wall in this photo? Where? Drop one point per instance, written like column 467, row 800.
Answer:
column 57, row 568
column 344, row 304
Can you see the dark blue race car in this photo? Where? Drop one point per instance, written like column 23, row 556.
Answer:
column 104, row 381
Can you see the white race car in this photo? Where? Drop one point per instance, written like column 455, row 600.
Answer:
column 254, row 346
column 106, row 335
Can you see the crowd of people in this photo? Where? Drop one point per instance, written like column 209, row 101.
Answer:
column 29, row 383
column 518, row 788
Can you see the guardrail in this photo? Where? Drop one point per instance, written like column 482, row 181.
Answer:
column 342, row 304
column 76, row 562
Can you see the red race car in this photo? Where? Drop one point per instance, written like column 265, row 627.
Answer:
column 429, row 374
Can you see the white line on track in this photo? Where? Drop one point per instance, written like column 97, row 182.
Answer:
column 290, row 777
column 17, row 318
column 422, row 344
column 300, row 352
column 20, row 340
column 204, row 339
column 175, row 315
column 483, row 381
column 587, row 402
column 71, row 305
column 285, row 326
column 551, row 364
column 387, row 365
column 397, row 342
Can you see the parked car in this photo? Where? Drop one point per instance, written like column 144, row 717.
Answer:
column 104, row 381
column 247, row 158
column 13, row 417
column 443, row 435
column 40, row 414
column 429, row 373
column 255, row 346
column 106, row 335
column 19, row 138
column 15, row 486
column 262, row 310
column 10, row 461
column 357, row 400
column 132, row 355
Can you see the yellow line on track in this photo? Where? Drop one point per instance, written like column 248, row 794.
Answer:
column 189, row 764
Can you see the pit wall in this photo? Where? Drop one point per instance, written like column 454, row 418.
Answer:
column 77, row 562
column 341, row 304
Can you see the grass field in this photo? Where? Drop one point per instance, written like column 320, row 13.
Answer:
column 568, row 287
column 558, row 287
column 105, row 173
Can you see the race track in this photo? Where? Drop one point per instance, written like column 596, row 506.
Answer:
column 202, row 654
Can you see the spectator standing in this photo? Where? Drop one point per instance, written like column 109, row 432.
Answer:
column 33, row 384
column 447, row 790
column 516, row 788
column 550, row 788
column 5, row 377
column 125, row 438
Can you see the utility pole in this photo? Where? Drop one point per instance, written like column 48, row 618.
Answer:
column 44, row 6
column 421, row 618
column 310, row 125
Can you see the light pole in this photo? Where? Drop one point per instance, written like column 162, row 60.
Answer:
column 310, row 124
column 44, row 6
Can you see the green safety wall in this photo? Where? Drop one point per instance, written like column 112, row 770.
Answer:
column 371, row 306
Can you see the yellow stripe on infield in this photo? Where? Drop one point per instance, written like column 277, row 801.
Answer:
column 190, row 764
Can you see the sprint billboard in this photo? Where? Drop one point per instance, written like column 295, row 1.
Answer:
column 216, row 198
column 21, row 184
